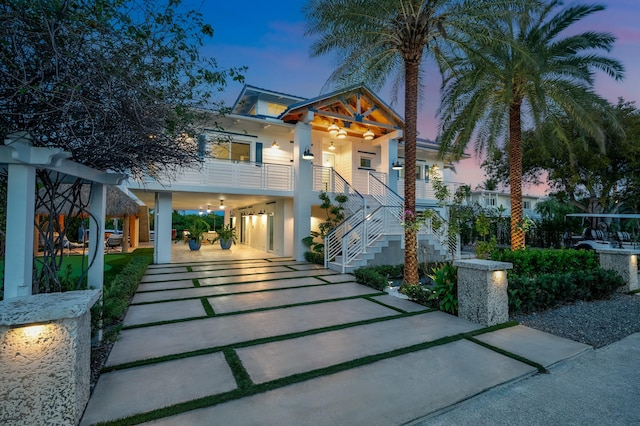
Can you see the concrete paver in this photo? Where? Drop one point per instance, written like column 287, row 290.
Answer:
column 274, row 360
column 165, row 285
column 269, row 299
column 404, row 304
column 137, row 390
column 167, row 339
column 388, row 392
column 216, row 274
column 259, row 277
column 166, row 270
column 338, row 278
column 168, row 311
column 543, row 348
column 224, row 289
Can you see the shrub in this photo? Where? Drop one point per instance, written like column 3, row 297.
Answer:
column 314, row 257
column 419, row 294
column 445, row 290
column 117, row 293
column 530, row 294
column 378, row 276
column 532, row 262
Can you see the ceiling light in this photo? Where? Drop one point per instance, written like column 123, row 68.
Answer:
column 333, row 129
column 332, row 147
column 221, row 204
column 208, row 208
column 275, row 145
column 368, row 135
column 342, row 133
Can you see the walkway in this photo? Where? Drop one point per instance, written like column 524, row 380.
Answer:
column 273, row 342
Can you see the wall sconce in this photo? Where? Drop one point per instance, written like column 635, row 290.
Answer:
column 261, row 212
column 368, row 135
column 275, row 145
column 342, row 133
column 250, row 213
column 333, row 129
column 221, row 204
column 396, row 165
column 332, row 146
column 307, row 154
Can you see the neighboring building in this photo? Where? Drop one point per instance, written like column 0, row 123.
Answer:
column 501, row 201
column 274, row 156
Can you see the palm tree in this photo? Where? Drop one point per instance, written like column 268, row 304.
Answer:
column 376, row 39
column 522, row 68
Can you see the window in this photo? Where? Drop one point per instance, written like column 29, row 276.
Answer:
column 275, row 109
column 426, row 172
column 231, row 151
column 526, row 205
column 418, row 172
column 365, row 162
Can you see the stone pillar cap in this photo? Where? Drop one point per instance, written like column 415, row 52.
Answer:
column 39, row 308
column 483, row 265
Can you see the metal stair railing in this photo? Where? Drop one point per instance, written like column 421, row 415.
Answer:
column 333, row 241
column 327, row 179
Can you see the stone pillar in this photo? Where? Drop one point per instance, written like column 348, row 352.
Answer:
column 482, row 291
column 162, row 243
column 303, row 194
column 45, row 358
column 625, row 263
column 21, row 190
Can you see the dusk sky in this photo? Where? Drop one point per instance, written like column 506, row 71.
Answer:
column 268, row 38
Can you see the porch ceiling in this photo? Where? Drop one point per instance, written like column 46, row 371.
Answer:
column 200, row 200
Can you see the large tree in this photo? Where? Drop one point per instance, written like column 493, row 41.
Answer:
column 375, row 40
column 115, row 83
column 523, row 67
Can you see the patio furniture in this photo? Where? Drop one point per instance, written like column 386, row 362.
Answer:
column 114, row 240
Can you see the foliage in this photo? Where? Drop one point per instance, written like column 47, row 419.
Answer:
column 420, row 294
column 334, row 214
column 314, row 257
column 118, row 291
column 547, row 290
column 120, row 85
column 378, row 276
column 485, row 248
column 226, row 233
column 445, row 291
column 531, row 262
column 196, row 229
column 377, row 39
column 180, row 222
column 515, row 64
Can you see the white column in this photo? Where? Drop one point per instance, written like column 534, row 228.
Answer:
column 303, row 191
column 389, row 150
column 97, row 207
column 18, row 269
column 162, row 242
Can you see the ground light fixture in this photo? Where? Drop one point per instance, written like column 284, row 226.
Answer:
column 307, row 154
column 368, row 135
column 396, row 165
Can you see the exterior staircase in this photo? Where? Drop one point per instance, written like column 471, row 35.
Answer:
column 364, row 236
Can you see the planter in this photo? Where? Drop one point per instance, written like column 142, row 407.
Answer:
column 195, row 244
column 225, row 244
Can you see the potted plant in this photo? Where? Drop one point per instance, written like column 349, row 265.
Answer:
column 195, row 232
column 226, row 236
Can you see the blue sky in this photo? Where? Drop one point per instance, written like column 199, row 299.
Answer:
column 268, row 37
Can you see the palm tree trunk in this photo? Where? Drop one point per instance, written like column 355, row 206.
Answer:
column 515, row 175
column 410, row 135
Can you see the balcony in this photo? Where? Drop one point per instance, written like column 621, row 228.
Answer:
column 230, row 174
column 426, row 191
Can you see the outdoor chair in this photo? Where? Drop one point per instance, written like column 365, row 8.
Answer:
column 114, row 240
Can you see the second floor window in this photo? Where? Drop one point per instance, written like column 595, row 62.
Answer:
column 237, row 151
column 526, row 205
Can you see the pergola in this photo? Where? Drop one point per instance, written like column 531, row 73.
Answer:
column 22, row 160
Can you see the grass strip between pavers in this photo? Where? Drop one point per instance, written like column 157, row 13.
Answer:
column 395, row 308
column 208, row 309
column 238, row 274
column 240, row 374
column 189, row 269
column 247, row 388
column 250, row 311
column 195, row 282
column 237, row 293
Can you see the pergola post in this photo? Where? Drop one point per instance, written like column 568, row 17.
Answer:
column 97, row 207
column 18, row 278
column 162, row 221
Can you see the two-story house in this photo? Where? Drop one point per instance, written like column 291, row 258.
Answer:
column 267, row 160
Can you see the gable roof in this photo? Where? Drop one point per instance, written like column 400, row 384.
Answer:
column 355, row 108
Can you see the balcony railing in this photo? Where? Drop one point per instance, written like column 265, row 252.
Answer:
column 235, row 174
column 425, row 190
